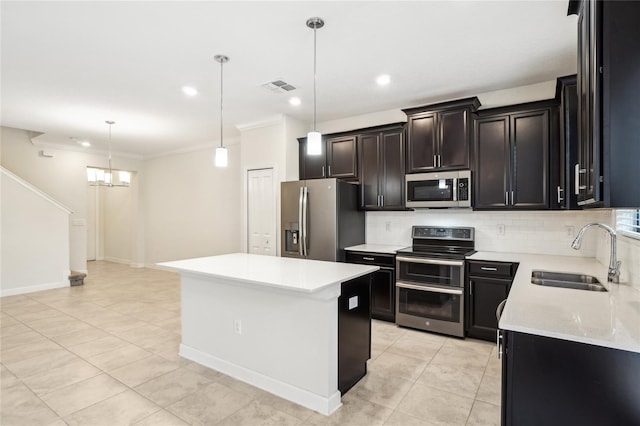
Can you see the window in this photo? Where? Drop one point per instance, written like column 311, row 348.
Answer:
column 628, row 222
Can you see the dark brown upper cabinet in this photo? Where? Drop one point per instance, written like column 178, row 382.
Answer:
column 439, row 135
column 512, row 158
column 381, row 160
column 608, row 108
column 337, row 160
column 563, row 193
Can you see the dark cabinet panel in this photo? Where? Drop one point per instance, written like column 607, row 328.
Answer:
column 383, row 298
column 354, row 331
column 381, row 159
column 492, row 162
column 608, row 107
column 311, row 166
column 383, row 284
column 511, row 146
column 369, row 147
column 454, row 139
column 392, row 184
column 485, row 294
column 438, row 136
column 422, row 143
column 547, row 381
column 563, row 188
column 488, row 284
column 530, row 172
column 341, row 157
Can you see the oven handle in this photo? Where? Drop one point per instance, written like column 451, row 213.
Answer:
column 428, row 288
column 431, row 261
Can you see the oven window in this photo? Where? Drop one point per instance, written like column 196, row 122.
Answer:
column 429, row 304
column 431, row 190
column 428, row 273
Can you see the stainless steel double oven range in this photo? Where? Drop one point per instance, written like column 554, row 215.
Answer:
column 430, row 279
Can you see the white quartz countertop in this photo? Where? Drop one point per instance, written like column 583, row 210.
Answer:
column 376, row 248
column 301, row 275
column 610, row 319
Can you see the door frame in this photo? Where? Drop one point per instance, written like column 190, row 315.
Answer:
column 245, row 206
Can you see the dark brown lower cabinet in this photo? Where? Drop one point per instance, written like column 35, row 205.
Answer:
column 354, row 331
column 547, row 381
column 383, row 283
column 488, row 284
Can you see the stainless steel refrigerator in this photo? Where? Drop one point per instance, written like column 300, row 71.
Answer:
column 319, row 218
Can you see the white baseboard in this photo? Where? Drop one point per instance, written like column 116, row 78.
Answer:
column 322, row 405
column 33, row 288
column 136, row 265
column 117, row 260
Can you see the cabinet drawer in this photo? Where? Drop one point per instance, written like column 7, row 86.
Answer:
column 492, row 269
column 378, row 259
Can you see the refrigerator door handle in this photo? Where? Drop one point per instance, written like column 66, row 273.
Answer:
column 300, row 228
column 305, row 201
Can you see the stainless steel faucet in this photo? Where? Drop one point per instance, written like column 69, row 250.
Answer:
column 613, row 276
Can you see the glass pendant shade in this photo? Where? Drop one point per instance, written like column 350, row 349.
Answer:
column 221, row 157
column 314, row 143
column 107, row 178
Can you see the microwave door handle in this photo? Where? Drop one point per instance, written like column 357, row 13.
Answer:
column 454, row 183
column 430, row 261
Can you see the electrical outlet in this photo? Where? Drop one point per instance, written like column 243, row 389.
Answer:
column 387, row 226
column 501, row 229
column 570, row 230
column 237, row 326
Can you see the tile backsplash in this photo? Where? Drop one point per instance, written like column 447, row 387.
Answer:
column 545, row 232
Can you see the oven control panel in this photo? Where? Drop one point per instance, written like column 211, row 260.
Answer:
column 446, row 233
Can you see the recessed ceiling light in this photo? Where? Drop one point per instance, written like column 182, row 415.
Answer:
column 189, row 91
column 295, row 101
column 383, row 79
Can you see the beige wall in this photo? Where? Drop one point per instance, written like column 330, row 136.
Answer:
column 63, row 177
column 191, row 207
column 271, row 144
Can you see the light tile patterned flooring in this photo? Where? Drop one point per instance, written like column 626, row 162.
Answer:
column 106, row 354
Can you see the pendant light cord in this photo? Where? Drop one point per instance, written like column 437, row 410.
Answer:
column 110, row 123
column 315, row 78
column 221, row 96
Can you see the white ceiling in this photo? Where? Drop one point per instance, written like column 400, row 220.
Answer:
column 69, row 66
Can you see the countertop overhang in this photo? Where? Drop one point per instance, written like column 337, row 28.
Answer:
column 610, row 319
column 298, row 275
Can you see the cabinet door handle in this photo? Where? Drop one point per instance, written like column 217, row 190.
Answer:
column 435, row 161
column 371, row 259
column 322, row 171
column 577, row 179
column 488, row 268
column 329, row 170
column 506, row 198
column 512, row 198
column 499, row 343
column 470, row 287
column 560, row 190
column 439, row 160
column 381, row 200
column 378, row 200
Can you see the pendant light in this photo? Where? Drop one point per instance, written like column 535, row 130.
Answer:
column 221, row 158
column 105, row 177
column 314, row 138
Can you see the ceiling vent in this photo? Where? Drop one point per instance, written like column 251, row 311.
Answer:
column 279, row 86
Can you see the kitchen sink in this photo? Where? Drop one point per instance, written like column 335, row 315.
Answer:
column 565, row 280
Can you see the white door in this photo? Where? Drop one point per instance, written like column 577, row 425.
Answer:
column 261, row 212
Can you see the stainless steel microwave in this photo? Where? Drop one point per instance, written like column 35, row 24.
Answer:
column 438, row 189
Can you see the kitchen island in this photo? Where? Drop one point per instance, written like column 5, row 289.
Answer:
column 269, row 321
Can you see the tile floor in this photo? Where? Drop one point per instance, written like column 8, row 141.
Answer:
column 106, row 354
